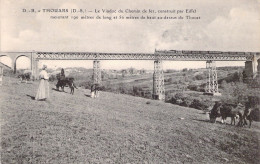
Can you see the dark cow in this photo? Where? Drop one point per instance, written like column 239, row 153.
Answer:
column 62, row 82
column 71, row 85
column 227, row 110
column 215, row 112
column 251, row 114
column 25, row 77
column 232, row 111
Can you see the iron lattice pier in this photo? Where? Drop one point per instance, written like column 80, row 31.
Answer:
column 96, row 72
column 212, row 83
column 158, row 81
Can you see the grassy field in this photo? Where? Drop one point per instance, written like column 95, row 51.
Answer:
column 114, row 128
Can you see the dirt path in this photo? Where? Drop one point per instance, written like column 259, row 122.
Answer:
column 114, row 128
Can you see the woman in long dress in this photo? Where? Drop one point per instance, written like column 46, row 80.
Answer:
column 43, row 89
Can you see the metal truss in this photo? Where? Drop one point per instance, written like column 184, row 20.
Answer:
column 158, row 81
column 158, row 55
column 212, row 83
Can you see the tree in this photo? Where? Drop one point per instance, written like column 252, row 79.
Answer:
column 223, row 84
column 184, row 69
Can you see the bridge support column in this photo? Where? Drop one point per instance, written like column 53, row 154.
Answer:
column 251, row 68
column 96, row 72
column 158, row 81
column 14, row 66
column 212, row 83
column 35, row 69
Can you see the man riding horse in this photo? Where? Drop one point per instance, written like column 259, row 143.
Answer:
column 65, row 81
column 61, row 80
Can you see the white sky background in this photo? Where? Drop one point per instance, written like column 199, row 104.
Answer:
column 225, row 25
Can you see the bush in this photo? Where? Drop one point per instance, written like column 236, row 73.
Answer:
column 198, row 104
column 193, row 87
column 180, row 99
column 184, row 69
column 199, row 77
column 86, row 85
column 235, row 77
column 254, row 101
column 235, row 92
column 186, row 102
column 170, row 80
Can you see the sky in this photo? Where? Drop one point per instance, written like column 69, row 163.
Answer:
column 224, row 25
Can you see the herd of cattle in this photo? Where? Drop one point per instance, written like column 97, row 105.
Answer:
column 239, row 111
column 25, row 77
column 223, row 110
column 63, row 82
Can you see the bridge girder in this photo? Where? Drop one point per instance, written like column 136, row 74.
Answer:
column 158, row 55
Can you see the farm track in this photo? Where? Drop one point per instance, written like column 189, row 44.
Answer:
column 114, row 128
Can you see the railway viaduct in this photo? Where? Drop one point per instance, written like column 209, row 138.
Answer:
column 251, row 59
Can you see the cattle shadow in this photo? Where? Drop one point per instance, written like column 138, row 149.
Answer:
column 207, row 121
column 55, row 89
column 32, row 97
column 59, row 90
column 201, row 120
column 87, row 95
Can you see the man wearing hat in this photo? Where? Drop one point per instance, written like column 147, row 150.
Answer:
column 43, row 89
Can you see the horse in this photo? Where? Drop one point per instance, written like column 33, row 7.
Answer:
column 62, row 82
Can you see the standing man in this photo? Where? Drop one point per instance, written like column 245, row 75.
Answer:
column 62, row 74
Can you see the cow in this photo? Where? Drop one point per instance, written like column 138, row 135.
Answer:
column 71, row 85
column 94, row 90
column 215, row 112
column 232, row 111
column 225, row 110
column 24, row 77
column 251, row 114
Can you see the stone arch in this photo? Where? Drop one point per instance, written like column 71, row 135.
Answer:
column 17, row 57
column 12, row 60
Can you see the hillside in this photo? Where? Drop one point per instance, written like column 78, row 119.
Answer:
column 114, row 128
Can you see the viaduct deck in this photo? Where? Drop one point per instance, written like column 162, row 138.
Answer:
column 158, row 55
